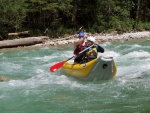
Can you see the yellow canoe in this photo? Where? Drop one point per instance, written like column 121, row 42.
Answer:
column 97, row 69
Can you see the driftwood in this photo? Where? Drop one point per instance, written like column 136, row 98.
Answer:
column 23, row 42
column 19, row 33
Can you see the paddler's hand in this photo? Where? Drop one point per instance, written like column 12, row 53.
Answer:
column 75, row 56
column 96, row 43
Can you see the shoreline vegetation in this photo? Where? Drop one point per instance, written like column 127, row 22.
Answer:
column 54, row 18
column 47, row 41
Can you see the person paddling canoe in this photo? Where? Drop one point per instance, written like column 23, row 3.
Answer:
column 79, row 45
column 91, row 53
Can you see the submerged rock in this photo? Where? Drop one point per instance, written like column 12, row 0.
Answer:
column 4, row 79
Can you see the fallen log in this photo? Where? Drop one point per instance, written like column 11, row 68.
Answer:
column 23, row 42
column 19, row 33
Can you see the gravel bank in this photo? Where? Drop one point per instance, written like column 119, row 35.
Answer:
column 100, row 38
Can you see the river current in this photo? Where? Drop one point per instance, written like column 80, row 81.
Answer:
column 30, row 87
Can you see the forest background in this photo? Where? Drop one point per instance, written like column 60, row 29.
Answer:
column 56, row 18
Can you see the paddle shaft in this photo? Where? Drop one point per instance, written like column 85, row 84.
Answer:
column 86, row 49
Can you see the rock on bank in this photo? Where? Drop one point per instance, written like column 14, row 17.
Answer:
column 101, row 37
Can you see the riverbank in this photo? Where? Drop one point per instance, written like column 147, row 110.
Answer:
column 101, row 37
column 47, row 41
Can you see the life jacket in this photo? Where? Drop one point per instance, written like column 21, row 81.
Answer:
column 79, row 48
column 91, row 54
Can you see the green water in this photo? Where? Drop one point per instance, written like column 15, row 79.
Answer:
column 31, row 88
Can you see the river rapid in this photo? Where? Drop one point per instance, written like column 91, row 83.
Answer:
column 30, row 87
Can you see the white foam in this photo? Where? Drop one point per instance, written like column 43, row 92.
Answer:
column 1, row 53
column 16, row 83
column 10, row 66
column 136, row 45
column 2, row 96
column 45, row 58
column 106, row 44
column 68, row 54
column 137, row 54
column 110, row 54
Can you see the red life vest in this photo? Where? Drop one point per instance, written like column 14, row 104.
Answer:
column 79, row 48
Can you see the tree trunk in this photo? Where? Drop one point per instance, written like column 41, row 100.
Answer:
column 137, row 14
column 74, row 13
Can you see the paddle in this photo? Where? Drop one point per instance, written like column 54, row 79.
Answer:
column 60, row 64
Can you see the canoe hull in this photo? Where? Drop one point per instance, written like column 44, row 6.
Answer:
column 98, row 69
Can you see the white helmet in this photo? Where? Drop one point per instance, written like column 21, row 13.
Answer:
column 92, row 39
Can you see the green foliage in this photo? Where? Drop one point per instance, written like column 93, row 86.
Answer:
column 58, row 17
column 12, row 16
column 143, row 26
column 12, row 13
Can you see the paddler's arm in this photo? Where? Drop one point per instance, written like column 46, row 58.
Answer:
column 100, row 49
column 79, row 40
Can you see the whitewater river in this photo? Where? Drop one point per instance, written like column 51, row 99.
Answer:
column 29, row 87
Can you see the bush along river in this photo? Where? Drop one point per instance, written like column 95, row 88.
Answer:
column 29, row 87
